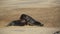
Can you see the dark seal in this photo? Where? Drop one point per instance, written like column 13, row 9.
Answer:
column 30, row 20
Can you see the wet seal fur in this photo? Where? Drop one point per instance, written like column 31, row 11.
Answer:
column 30, row 20
column 17, row 23
column 25, row 20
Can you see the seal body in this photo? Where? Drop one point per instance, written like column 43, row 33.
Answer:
column 17, row 23
column 30, row 20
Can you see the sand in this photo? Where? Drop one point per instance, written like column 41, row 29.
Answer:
column 28, row 30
